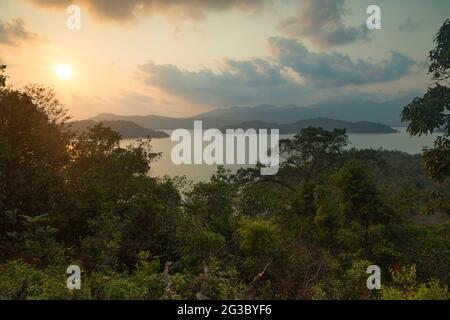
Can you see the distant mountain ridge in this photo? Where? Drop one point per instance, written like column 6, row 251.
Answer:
column 356, row 110
column 349, row 110
column 327, row 124
column 127, row 129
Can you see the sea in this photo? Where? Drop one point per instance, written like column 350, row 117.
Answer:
column 400, row 141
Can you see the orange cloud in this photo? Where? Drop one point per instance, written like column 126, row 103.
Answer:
column 174, row 10
column 13, row 33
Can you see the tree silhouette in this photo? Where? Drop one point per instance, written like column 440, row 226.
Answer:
column 431, row 112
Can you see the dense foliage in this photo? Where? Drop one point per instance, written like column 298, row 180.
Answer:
column 432, row 111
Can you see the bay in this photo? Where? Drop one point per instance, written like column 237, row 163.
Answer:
column 400, row 141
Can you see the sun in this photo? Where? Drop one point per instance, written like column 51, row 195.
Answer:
column 63, row 71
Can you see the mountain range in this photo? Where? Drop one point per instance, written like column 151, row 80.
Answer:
column 355, row 110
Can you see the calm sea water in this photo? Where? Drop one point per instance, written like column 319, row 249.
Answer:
column 401, row 141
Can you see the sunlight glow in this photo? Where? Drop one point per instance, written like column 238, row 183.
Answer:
column 63, row 71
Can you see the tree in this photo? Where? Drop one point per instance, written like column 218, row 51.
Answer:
column 97, row 177
column 258, row 243
column 311, row 153
column 2, row 77
column 313, row 150
column 431, row 112
column 33, row 154
column 405, row 286
column 212, row 203
column 362, row 207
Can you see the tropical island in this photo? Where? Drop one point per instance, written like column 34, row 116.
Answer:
column 326, row 124
column 127, row 129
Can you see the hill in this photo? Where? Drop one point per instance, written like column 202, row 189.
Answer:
column 355, row 110
column 327, row 124
column 128, row 129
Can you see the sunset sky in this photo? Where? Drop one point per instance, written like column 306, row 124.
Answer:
column 180, row 58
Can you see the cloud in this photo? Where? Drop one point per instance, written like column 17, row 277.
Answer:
column 246, row 81
column 14, row 33
column 322, row 22
column 176, row 10
column 291, row 75
column 410, row 24
column 336, row 69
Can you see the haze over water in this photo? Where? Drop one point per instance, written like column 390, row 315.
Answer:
column 400, row 141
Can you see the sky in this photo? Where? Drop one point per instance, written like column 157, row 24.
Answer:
column 183, row 57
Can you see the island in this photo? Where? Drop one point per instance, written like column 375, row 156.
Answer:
column 325, row 123
column 127, row 129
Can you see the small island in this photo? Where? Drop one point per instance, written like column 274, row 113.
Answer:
column 127, row 129
column 325, row 123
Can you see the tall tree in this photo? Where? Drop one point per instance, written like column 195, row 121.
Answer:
column 432, row 112
column 32, row 153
